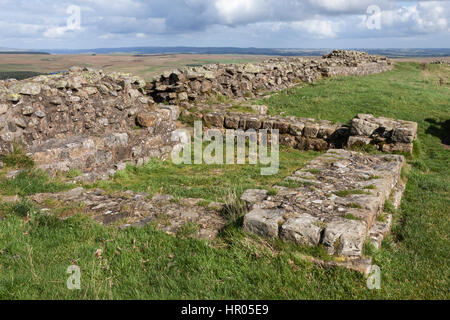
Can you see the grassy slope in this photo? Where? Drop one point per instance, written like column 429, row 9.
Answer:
column 144, row 263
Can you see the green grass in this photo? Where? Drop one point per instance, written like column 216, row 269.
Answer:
column 148, row 264
column 196, row 181
column 31, row 181
column 17, row 158
column 19, row 75
column 345, row 193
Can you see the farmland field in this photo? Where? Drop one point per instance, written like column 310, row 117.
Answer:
column 146, row 66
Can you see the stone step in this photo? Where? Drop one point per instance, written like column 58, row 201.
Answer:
column 336, row 202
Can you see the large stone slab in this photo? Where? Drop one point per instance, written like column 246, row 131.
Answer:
column 264, row 222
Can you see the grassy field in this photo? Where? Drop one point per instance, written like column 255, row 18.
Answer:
column 35, row 250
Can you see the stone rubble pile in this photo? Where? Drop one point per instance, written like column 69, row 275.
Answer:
column 336, row 200
column 84, row 119
column 247, row 80
column 126, row 209
column 384, row 134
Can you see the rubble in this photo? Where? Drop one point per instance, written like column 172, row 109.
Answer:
column 127, row 209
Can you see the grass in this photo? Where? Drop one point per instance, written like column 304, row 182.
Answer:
column 195, row 181
column 17, row 158
column 148, row 264
column 345, row 193
column 30, row 182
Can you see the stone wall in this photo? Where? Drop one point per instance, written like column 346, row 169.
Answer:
column 84, row 119
column 308, row 134
column 248, row 80
column 336, row 200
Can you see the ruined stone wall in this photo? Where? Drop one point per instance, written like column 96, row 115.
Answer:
column 385, row 134
column 84, row 119
column 248, row 80
column 96, row 122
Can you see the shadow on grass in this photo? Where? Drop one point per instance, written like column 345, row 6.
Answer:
column 440, row 130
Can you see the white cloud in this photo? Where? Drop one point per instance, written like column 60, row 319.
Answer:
column 319, row 28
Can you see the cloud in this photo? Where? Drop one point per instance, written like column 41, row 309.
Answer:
column 319, row 28
column 262, row 23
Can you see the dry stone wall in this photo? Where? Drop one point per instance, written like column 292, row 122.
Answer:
column 84, row 119
column 248, row 80
column 308, row 134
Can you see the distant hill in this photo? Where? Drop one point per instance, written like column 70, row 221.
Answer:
column 389, row 52
column 393, row 53
column 23, row 52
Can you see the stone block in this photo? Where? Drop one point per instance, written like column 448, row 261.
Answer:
column 264, row 222
column 232, row 121
column 345, row 237
column 304, row 230
column 254, row 195
column 146, row 119
column 214, row 119
column 360, row 127
column 311, row 130
column 358, row 141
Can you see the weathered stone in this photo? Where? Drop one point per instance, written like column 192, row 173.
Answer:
column 250, row 123
column 304, row 230
column 27, row 110
column 91, row 90
column 399, row 147
column 20, row 123
column 3, row 108
column 358, row 141
column 380, row 230
column 162, row 198
column 146, row 119
column 404, row 134
column 296, row 129
column 232, row 122
column 254, row 195
column 362, row 127
column 264, row 222
column 135, row 209
column 182, row 96
column 39, row 114
column 311, row 130
column 345, row 237
column 6, row 199
column 12, row 174
column 214, row 119
column 311, row 144
column 26, row 88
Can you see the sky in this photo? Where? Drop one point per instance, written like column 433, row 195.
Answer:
column 83, row 24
